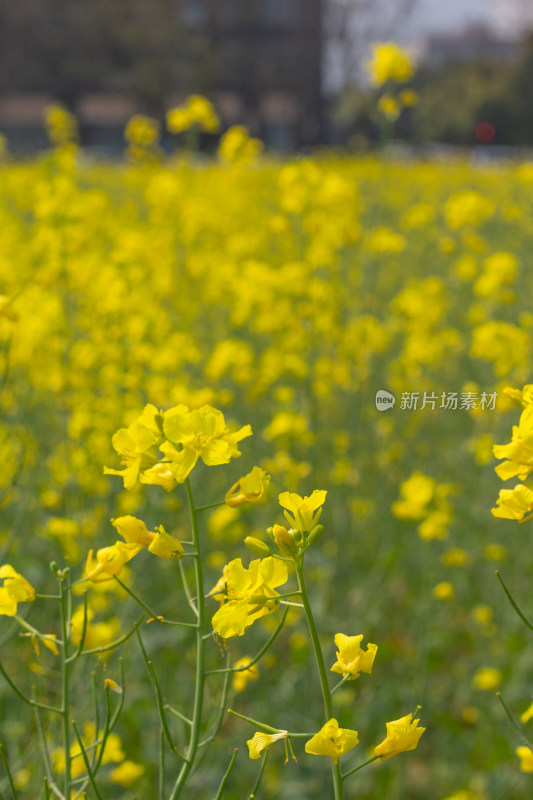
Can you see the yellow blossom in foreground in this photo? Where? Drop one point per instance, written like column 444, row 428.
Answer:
column 247, row 594
column 402, row 734
column 136, row 446
column 159, row 542
column 201, row 433
column 15, row 589
column 389, row 62
column 526, row 758
column 164, row 545
column 351, row 659
column 242, row 678
column 520, row 397
column 261, row 740
column 110, row 560
column 252, row 488
column 519, row 451
column 302, row 510
column 332, row 741
column 133, row 530
column 487, row 678
column 514, row 503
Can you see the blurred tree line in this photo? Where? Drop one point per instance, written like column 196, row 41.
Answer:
column 454, row 98
column 68, row 48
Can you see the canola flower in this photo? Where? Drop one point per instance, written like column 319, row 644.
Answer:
column 183, row 436
column 351, row 658
column 332, row 741
column 110, row 560
column 15, row 589
column 246, row 594
column 251, row 488
column 303, row 513
column 402, row 734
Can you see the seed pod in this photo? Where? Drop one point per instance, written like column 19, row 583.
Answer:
column 257, row 546
column 316, row 534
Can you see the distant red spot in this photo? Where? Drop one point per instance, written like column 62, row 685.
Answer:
column 485, row 132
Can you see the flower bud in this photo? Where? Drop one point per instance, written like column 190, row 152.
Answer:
column 316, row 534
column 270, row 532
column 285, row 541
column 257, row 546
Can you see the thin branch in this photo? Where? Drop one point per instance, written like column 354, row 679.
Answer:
column 259, row 654
column 226, row 776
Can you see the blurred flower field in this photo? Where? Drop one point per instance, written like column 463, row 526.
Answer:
column 286, row 294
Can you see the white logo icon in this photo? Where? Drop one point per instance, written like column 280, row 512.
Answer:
column 384, row 400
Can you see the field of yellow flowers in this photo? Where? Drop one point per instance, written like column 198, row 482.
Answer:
column 287, row 295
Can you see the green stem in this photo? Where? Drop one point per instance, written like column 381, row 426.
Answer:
column 8, row 772
column 65, row 676
column 200, row 652
column 319, row 657
column 226, row 776
column 211, row 505
column 155, row 617
column 259, row 654
column 86, row 761
column 513, row 722
column 340, row 683
column 364, row 764
column 114, row 644
column 513, row 603
column 261, row 771
column 45, row 753
column 259, row 725
column 34, row 632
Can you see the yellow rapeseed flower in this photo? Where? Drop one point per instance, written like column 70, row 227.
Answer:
column 304, row 511
column 136, row 444
column 110, row 560
column 15, row 589
column 247, row 594
column 351, row 659
column 201, row 433
column 332, row 741
column 402, row 734
column 261, row 740
column 252, row 488
column 519, row 451
column 514, row 503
